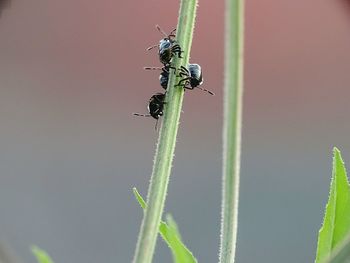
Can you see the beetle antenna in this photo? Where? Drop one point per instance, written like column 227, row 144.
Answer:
column 152, row 68
column 172, row 33
column 210, row 92
column 165, row 69
column 161, row 31
column 141, row 115
column 152, row 47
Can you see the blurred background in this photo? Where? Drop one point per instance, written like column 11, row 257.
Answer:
column 70, row 150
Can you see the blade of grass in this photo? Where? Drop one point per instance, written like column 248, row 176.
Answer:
column 171, row 235
column 166, row 141
column 233, row 93
column 341, row 253
column 336, row 221
column 41, row 255
column 181, row 254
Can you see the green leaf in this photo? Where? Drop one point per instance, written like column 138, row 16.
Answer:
column 341, row 253
column 336, row 222
column 170, row 234
column 41, row 255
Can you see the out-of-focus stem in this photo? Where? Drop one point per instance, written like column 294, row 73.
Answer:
column 233, row 93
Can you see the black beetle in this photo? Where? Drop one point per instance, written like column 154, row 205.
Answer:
column 155, row 107
column 192, row 77
column 167, row 47
column 164, row 75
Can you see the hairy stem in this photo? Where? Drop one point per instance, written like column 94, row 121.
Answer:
column 166, row 141
column 233, row 93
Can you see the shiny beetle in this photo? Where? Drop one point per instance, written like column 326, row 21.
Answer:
column 167, row 47
column 164, row 75
column 155, row 107
column 192, row 78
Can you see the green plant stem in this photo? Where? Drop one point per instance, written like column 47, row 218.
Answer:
column 233, row 93
column 166, row 141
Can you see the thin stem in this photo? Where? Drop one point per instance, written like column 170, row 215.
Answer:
column 166, row 141
column 233, row 93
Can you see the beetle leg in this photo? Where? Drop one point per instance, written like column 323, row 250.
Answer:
column 171, row 67
column 184, row 71
column 176, row 49
column 182, row 75
column 183, row 80
column 188, row 87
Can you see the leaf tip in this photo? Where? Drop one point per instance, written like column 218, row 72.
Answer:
column 336, row 151
column 36, row 250
column 41, row 255
column 139, row 198
column 337, row 158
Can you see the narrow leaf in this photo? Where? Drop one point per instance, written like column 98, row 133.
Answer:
column 341, row 254
column 170, row 234
column 336, row 222
column 41, row 255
